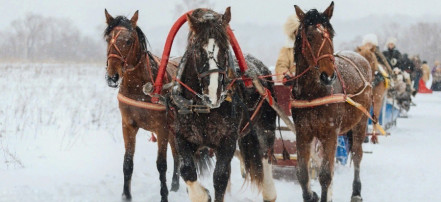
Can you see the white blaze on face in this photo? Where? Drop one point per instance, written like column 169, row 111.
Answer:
column 212, row 87
column 320, row 28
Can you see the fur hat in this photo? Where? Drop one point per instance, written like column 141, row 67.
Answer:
column 370, row 38
column 291, row 25
column 391, row 40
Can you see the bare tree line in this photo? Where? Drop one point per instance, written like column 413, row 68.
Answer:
column 417, row 39
column 36, row 38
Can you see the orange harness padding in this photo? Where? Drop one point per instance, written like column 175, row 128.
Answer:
column 336, row 98
column 144, row 105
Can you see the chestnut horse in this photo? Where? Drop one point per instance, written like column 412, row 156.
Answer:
column 129, row 59
column 380, row 77
column 213, row 108
column 316, row 72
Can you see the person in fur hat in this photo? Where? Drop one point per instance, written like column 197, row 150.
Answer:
column 285, row 62
column 392, row 55
column 370, row 41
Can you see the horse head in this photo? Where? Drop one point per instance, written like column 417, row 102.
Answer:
column 125, row 43
column 368, row 52
column 314, row 42
column 207, row 55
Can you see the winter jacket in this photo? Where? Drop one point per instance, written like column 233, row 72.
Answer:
column 285, row 62
column 407, row 65
column 426, row 72
column 393, row 56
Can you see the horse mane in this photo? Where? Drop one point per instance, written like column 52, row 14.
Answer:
column 312, row 18
column 209, row 29
column 370, row 57
column 124, row 22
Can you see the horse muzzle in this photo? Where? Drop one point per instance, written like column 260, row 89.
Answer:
column 327, row 80
column 112, row 81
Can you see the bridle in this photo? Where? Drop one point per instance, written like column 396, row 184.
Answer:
column 317, row 57
column 186, row 106
column 211, row 71
column 120, row 56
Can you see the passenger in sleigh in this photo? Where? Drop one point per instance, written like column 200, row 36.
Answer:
column 436, row 78
column 401, row 91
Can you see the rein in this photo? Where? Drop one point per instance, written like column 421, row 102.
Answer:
column 120, row 56
column 334, row 98
column 318, row 57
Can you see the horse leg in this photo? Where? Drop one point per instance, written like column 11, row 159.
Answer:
column 269, row 189
column 222, row 170
column 242, row 163
column 357, row 153
column 327, row 168
column 161, row 162
column 175, row 179
column 129, row 134
column 196, row 191
column 303, row 145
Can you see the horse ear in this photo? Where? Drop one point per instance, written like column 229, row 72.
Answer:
column 227, row 15
column 328, row 12
column 193, row 22
column 358, row 49
column 134, row 19
column 109, row 18
column 300, row 13
column 373, row 48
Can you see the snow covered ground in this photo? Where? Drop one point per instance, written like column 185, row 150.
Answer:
column 61, row 140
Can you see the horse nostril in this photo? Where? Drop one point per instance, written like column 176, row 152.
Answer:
column 115, row 78
column 112, row 81
column 325, row 79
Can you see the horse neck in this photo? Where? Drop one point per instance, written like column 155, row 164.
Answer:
column 307, row 85
column 190, row 76
column 133, row 81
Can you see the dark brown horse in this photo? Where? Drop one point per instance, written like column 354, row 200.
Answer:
column 213, row 108
column 317, row 70
column 129, row 59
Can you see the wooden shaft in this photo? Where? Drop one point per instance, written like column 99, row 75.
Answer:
column 274, row 105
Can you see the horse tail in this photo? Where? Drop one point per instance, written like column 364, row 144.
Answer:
column 204, row 162
column 250, row 150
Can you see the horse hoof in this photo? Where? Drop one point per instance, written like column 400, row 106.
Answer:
column 313, row 198
column 356, row 199
column 126, row 197
column 174, row 187
column 208, row 194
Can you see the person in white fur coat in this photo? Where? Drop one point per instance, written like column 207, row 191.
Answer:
column 285, row 62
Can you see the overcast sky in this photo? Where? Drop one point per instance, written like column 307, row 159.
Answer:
column 88, row 15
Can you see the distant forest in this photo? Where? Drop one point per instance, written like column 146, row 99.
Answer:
column 36, row 38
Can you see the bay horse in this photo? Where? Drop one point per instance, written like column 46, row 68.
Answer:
column 380, row 77
column 212, row 109
column 316, row 71
column 128, row 59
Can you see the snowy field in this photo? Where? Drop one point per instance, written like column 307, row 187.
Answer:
column 61, row 140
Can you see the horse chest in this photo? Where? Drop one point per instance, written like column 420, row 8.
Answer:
column 206, row 129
